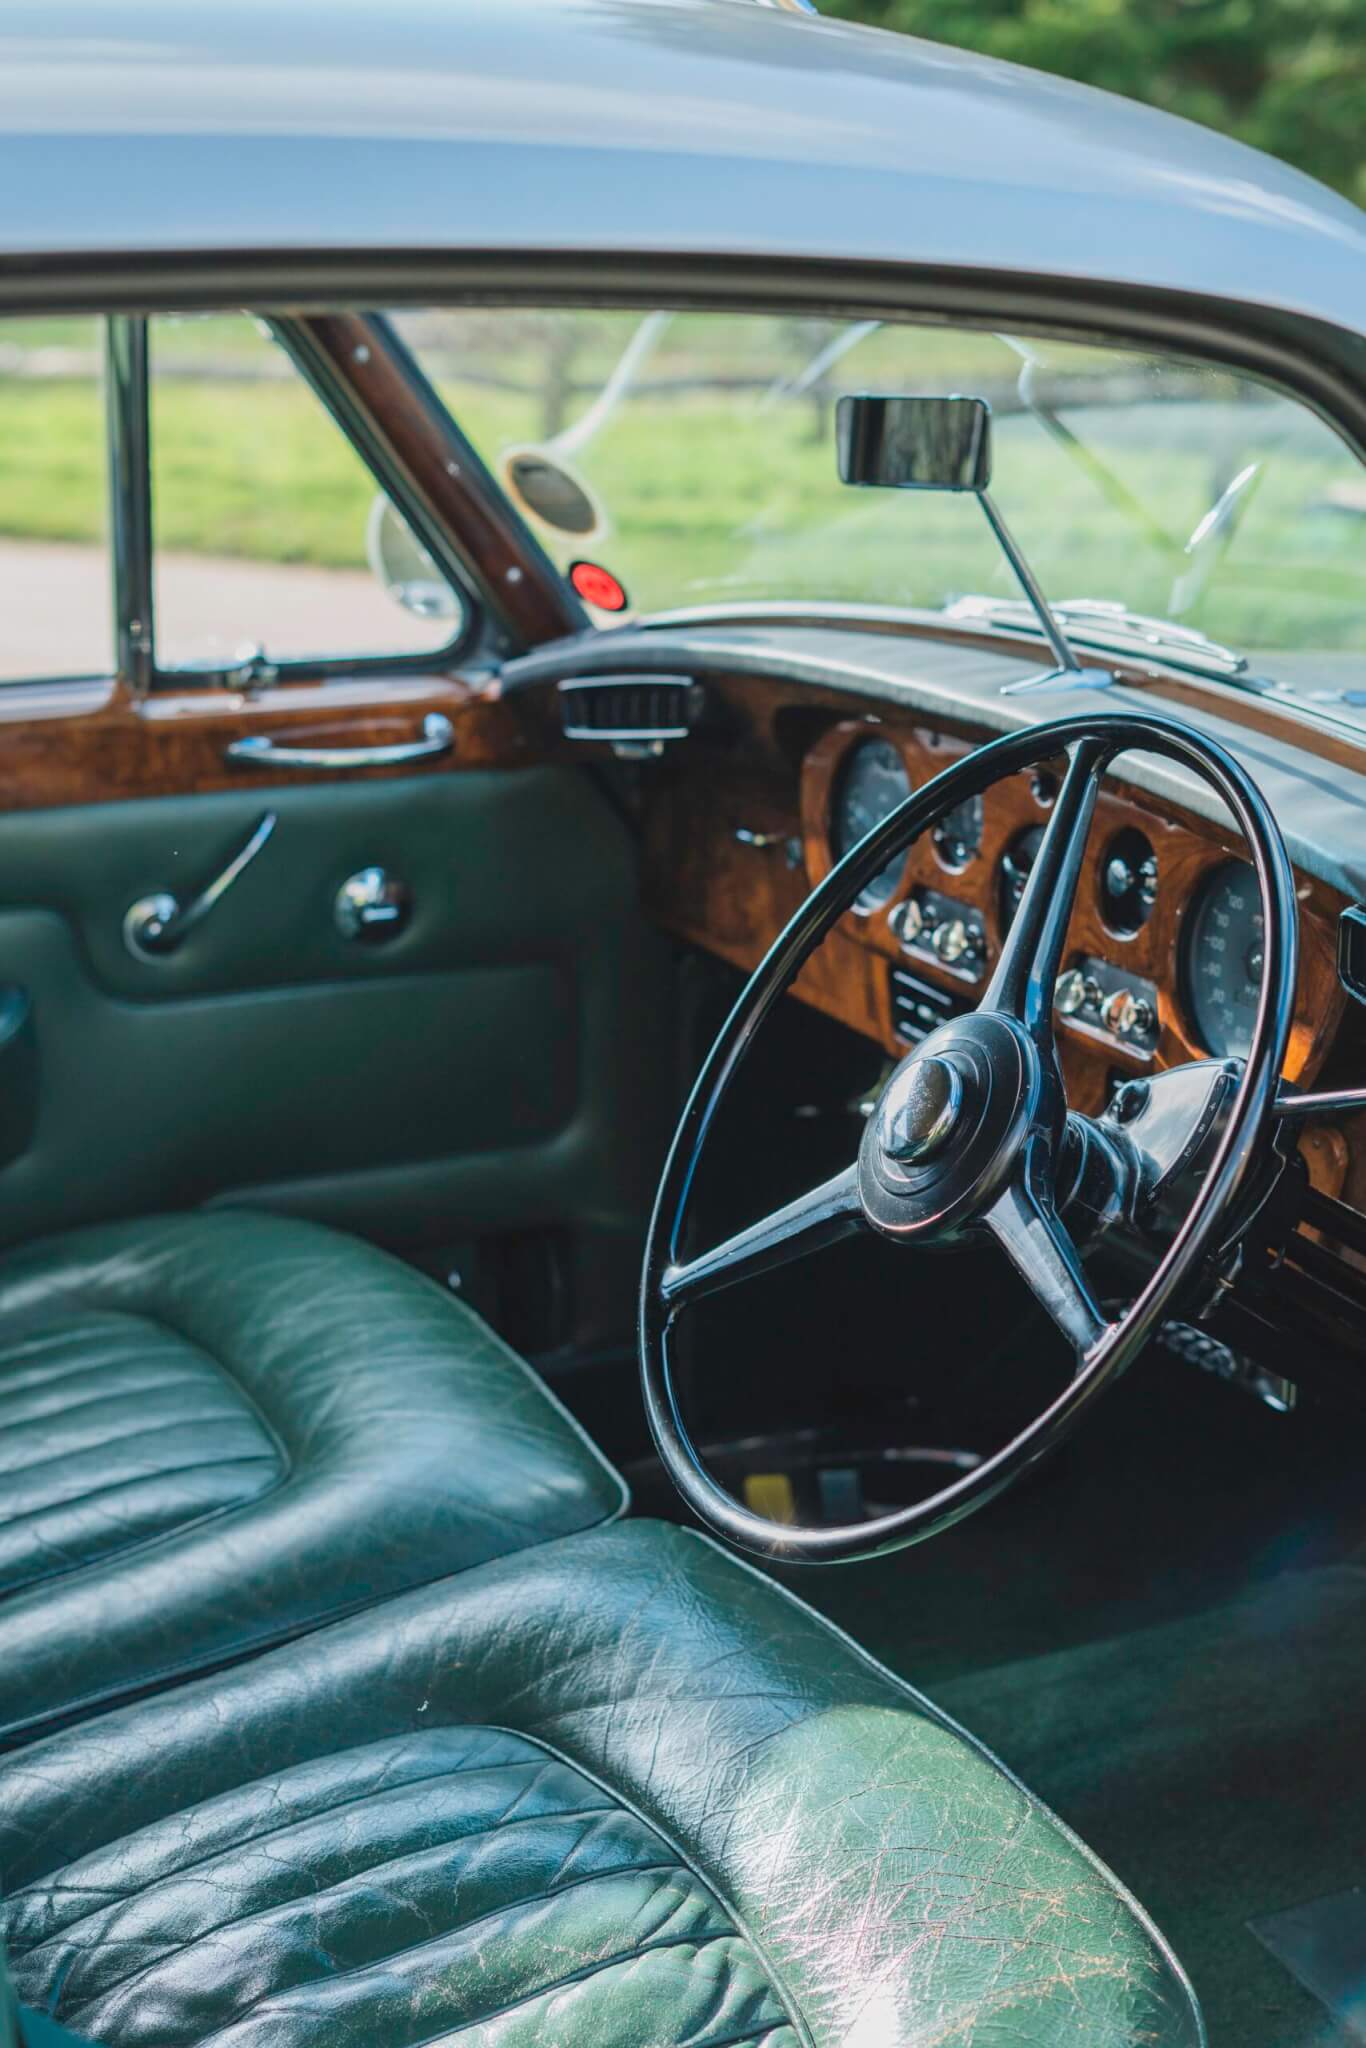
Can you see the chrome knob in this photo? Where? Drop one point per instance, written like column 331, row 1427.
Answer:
column 1147, row 882
column 951, row 941
column 1121, row 1012
column 371, row 906
column 907, row 922
column 1070, row 992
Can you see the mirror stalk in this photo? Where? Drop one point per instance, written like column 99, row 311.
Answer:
column 1069, row 673
column 887, row 441
column 1024, row 576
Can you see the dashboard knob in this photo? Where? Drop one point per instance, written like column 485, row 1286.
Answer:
column 1124, row 1013
column 951, row 941
column 907, row 921
column 1147, row 881
column 1070, row 992
column 1120, row 878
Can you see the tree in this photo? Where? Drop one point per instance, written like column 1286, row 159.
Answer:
column 1288, row 76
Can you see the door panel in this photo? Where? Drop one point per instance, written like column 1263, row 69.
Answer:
column 499, row 1064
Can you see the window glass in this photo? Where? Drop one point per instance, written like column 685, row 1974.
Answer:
column 268, row 529
column 54, row 495
column 693, row 455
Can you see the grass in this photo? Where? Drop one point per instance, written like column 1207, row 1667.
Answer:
column 716, row 493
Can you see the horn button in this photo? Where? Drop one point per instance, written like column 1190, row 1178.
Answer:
column 949, row 1126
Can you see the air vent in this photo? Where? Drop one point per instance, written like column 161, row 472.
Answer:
column 634, row 715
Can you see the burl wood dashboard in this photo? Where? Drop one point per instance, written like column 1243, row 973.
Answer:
column 737, row 834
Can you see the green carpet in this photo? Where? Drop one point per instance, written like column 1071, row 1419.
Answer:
column 1178, row 1497
column 1218, row 1764
column 1160, row 1634
column 1163, row 1631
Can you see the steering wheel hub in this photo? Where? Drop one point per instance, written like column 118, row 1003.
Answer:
column 918, row 1111
column 949, row 1127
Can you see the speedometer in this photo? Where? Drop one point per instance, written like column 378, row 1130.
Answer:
column 873, row 782
column 1223, row 957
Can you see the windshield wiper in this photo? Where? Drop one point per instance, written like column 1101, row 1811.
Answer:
column 1213, row 535
column 1110, row 627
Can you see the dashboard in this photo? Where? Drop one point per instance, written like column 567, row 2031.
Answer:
column 1161, row 963
column 789, row 738
column 944, row 918
column 1161, row 959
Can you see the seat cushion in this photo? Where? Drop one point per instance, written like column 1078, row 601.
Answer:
column 114, row 1430
column 617, row 1791
column 219, row 1430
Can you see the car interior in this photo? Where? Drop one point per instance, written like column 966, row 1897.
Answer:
column 642, row 949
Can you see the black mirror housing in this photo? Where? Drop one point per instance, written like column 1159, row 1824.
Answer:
column 914, row 444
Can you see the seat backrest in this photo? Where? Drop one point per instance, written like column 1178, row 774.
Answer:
column 20, row 2028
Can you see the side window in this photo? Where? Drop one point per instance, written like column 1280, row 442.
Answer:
column 54, row 498
column 269, row 531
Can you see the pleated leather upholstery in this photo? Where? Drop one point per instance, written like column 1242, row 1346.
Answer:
column 616, row 1792
column 112, row 1431
column 453, row 1878
column 218, row 1430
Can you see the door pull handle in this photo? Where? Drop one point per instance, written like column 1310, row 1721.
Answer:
column 261, row 751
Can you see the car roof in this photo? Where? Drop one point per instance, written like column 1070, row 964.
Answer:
column 669, row 126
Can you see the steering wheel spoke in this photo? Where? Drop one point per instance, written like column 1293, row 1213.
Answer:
column 1033, row 1237
column 1027, row 971
column 820, row 1217
column 968, row 1129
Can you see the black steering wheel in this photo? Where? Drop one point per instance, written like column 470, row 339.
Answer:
column 967, row 1136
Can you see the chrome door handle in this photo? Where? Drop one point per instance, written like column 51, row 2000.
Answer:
column 260, row 751
column 155, row 925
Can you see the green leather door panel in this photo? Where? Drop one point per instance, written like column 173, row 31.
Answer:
column 498, row 1064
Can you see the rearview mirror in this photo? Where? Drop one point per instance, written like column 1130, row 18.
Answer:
column 944, row 444
column 914, row 444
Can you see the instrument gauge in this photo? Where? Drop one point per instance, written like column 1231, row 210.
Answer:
column 958, row 835
column 1223, row 953
column 1018, row 859
column 872, row 782
column 1128, row 882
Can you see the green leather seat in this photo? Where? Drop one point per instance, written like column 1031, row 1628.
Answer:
column 618, row 1791
column 217, row 1431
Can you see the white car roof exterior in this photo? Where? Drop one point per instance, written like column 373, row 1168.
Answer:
column 162, row 128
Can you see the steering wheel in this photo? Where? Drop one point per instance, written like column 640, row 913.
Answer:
column 966, row 1139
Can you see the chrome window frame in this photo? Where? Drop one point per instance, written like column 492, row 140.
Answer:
column 131, row 455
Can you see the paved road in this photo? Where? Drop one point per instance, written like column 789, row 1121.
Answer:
column 56, row 606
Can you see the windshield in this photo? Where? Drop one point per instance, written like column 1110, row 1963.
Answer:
column 692, row 455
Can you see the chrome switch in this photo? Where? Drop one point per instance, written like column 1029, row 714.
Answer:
column 372, row 906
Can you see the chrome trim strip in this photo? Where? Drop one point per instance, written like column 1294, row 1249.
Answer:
column 130, row 498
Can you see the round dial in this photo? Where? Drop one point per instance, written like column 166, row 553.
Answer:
column 873, row 782
column 1223, row 953
column 958, row 835
column 1128, row 882
column 1017, row 860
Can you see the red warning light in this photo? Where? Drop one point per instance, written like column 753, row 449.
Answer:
column 598, row 587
